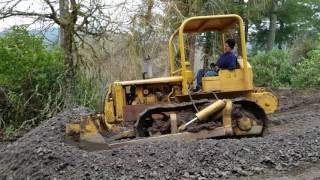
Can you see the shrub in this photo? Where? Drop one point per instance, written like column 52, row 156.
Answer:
column 307, row 71
column 30, row 76
column 275, row 69
column 272, row 69
column 89, row 93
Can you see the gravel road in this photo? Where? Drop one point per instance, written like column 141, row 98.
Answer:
column 290, row 150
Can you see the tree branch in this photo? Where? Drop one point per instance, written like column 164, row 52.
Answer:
column 54, row 16
column 21, row 13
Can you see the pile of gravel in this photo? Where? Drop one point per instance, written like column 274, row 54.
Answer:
column 42, row 154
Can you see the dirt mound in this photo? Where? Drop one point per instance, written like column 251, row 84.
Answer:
column 293, row 139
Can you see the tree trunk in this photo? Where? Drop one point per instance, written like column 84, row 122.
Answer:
column 148, row 28
column 69, row 67
column 246, row 23
column 244, row 13
column 272, row 26
column 68, row 18
column 192, row 39
column 208, row 49
column 63, row 8
column 280, row 41
column 191, row 52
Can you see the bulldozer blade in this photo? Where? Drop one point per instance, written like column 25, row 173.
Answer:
column 95, row 138
column 92, row 146
column 90, row 129
column 203, row 134
column 86, row 145
column 86, row 141
column 122, row 135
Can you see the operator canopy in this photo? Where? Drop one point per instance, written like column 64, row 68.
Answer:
column 205, row 23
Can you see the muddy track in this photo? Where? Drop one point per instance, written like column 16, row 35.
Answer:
column 291, row 149
column 297, row 110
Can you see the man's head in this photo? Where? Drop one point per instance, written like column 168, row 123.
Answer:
column 229, row 45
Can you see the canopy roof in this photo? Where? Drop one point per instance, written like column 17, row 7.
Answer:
column 210, row 23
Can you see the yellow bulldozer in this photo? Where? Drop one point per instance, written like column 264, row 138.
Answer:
column 166, row 108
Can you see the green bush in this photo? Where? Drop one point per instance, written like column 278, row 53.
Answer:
column 272, row 69
column 307, row 71
column 30, row 76
column 275, row 69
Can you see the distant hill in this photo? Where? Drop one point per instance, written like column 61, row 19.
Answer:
column 51, row 35
column 2, row 32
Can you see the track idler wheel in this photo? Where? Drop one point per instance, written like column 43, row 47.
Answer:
column 246, row 115
column 244, row 123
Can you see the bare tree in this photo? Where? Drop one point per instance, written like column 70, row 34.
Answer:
column 76, row 18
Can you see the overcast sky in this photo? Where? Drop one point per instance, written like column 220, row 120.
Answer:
column 118, row 14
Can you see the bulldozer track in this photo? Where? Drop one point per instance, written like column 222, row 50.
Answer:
column 185, row 112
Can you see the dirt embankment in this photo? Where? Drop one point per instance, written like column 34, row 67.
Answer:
column 287, row 151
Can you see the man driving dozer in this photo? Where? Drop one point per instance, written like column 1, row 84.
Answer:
column 227, row 60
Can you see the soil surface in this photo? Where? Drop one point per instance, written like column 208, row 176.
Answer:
column 289, row 150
